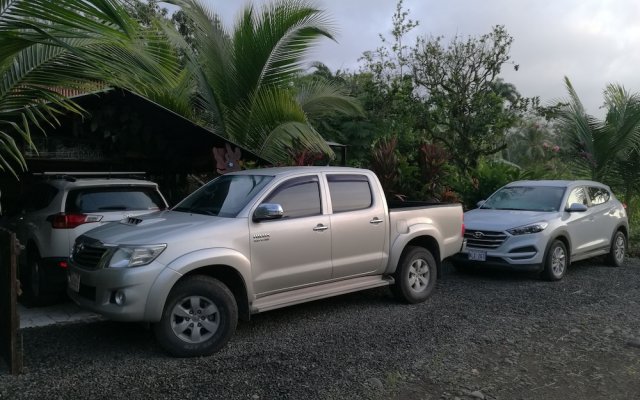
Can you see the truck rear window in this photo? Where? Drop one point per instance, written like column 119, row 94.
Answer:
column 86, row 200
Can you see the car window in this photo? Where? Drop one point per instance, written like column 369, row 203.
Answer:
column 86, row 200
column 598, row 195
column 577, row 195
column 349, row 192
column 224, row 196
column 299, row 197
column 526, row 198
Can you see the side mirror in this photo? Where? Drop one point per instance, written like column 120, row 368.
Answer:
column 480, row 203
column 576, row 207
column 268, row 211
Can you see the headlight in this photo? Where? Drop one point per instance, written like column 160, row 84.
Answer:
column 135, row 256
column 526, row 229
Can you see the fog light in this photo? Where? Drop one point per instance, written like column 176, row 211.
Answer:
column 119, row 298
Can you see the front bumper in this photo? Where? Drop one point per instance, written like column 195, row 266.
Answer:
column 518, row 253
column 97, row 289
column 496, row 263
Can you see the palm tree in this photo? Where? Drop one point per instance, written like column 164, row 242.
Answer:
column 598, row 144
column 245, row 77
column 49, row 47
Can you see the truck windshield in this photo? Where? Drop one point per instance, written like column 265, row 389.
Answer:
column 526, row 198
column 224, row 196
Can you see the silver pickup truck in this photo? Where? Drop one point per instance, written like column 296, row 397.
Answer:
column 254, row 241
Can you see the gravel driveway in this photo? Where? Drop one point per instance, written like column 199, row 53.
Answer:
column 484, row 335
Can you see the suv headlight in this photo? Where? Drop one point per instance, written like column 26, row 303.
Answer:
column 135, row 256
column 526, row 229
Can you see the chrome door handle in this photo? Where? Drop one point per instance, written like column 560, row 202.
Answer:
column 320, row 228
column 376, row 221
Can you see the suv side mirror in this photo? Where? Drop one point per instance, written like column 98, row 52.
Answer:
column 268, row 211
column 480, row 203
column 576, row 207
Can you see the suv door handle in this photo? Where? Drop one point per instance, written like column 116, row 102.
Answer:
column 376, row 221
column 320, row 228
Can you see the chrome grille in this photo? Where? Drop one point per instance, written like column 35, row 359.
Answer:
column 88, row 254
column 484, row 239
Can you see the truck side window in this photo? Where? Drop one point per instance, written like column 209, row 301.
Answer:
column 349, row 192
column 299, row 197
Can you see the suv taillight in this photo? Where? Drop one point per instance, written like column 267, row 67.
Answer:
column 70, row 221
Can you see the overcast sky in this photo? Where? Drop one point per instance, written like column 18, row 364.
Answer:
column 593, row 42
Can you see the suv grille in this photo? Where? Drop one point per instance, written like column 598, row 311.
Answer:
column 88, row 255
column 484, row 239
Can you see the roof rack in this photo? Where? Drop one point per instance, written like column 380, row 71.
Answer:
column 72, row 176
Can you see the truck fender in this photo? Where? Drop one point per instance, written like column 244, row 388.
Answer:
column 406, row 235
column 188, row 263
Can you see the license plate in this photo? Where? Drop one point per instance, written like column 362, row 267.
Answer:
column 477, row 255
column 74, row 281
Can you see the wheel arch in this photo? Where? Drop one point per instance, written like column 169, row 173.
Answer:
column 425, row 241
column 227, row 266
column 232, row 279
column 564, row 238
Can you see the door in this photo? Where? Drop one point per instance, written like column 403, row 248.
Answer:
column 603, row 211
column 295, row 250
column 358, row 226
column 581, row 225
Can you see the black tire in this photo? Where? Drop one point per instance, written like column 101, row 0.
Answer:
column 198, row 319
column 415, row 276
column 35, row 287
column 556, row 261
column 617, row 252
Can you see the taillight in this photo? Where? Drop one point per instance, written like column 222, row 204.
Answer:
column 70, row 221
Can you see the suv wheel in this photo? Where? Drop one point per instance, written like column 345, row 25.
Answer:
column 199, row 318
column 415, row 276
column 556, row 261
column 35, row 286
column 616, row 254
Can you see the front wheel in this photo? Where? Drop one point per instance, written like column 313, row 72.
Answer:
column 616, row 255
column 415, row 276
column 199, row 318
column 556, row 262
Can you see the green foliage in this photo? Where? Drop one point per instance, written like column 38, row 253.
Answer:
column 470, row 107
column 245, row 77
column 48, row 47
column 488, row 177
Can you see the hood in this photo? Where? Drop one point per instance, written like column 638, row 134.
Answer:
column 501, row 220
column 159, row 227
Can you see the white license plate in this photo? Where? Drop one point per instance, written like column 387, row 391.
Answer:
column 74, row 281
column 477, row 255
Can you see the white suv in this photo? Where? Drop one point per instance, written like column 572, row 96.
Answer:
column 544, row 226
column 53, row 212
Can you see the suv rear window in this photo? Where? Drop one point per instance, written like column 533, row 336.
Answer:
column 87, row 200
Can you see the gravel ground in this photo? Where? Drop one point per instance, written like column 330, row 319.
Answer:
column 486, row 335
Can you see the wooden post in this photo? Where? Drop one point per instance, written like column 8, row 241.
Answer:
column 10, row 348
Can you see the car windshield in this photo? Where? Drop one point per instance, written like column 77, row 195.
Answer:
column 224, row 196
column 526, row 198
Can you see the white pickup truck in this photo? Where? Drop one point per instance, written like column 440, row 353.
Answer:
column 254, row 241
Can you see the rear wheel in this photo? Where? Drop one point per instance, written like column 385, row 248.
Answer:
column 556, row 261
column 35, row 287
column 415, row 276
column 199, row 318
column 616, row 255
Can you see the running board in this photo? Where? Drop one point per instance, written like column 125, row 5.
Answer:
column 317, row 292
